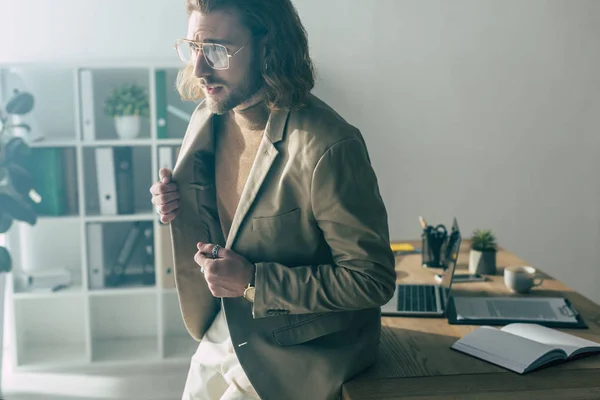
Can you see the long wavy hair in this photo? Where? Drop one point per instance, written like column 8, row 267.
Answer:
column 287, row 69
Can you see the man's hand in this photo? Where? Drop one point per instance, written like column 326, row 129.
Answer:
column 165, row 197
column 228, row 275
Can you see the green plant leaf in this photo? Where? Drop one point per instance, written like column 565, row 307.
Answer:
column 483, row 240
column 5, row 260
column 127, row 99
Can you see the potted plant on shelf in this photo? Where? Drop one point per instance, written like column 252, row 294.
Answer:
column 482, row 259
column 126, row 104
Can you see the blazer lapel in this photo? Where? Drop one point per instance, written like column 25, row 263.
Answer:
column 194, row 223
column 199, row 136
column 266, row 155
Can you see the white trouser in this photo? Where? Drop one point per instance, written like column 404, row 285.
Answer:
column 215, row 372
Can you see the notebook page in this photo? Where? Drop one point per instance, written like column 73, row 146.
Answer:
column 551, row 337
column 501, row 348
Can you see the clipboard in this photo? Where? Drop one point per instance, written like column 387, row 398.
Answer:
column 578, row 324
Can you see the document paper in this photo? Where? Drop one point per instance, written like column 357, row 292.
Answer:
column 514, row 309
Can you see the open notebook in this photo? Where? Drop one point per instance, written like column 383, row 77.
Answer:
column 523, row 347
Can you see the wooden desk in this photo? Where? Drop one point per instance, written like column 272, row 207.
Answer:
column 416, row 362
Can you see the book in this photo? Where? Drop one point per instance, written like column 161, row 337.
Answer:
column 522, row 348
column 404, row 248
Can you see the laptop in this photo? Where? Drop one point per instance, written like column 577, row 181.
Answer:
column 428, row 300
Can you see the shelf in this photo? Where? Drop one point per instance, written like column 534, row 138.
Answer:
column 54, row 143
column 50, row 331
column 53, row 355
column 49, row 245
column 72, row 291
column 121, row 218
column 124, row 327
column 117, row 143
column 130, row 349
column 169, row 142
column 129, row 291
column 59, row 218
column 179, row 347
column 84, row 169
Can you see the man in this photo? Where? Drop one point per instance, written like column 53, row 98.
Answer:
column 280, row 236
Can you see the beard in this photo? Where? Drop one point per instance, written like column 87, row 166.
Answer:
column 238, row 93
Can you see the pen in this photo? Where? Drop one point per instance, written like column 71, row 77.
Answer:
column 423, row 223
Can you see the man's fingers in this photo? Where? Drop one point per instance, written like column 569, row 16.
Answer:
column 164, row 175
column 207, row 248
column 168, row 207
column 207, row 262
column 201, row 259
column 167, row 218
column 165, row 198
column 160, row 188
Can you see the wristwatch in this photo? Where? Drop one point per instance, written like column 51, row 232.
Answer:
column 249, row 293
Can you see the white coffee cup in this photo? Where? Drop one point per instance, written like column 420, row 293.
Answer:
column 521, row 278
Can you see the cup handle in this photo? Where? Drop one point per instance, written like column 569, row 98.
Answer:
column 538, row 281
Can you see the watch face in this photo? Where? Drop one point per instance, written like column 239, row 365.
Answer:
column 249, row 294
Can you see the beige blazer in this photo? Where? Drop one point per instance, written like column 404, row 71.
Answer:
column 312, row 219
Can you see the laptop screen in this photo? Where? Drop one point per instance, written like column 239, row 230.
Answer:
column 451, row 256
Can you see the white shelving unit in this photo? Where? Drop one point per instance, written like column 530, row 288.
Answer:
column 79, row 326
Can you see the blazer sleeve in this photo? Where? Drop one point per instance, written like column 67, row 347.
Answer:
column 350, row 212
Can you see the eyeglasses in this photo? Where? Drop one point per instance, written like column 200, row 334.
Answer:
column 216, row 55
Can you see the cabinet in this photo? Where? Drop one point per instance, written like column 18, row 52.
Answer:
column 87, row 322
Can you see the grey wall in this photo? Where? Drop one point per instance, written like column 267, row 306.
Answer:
column 487, row 110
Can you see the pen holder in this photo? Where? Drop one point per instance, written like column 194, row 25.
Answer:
column 432, row 245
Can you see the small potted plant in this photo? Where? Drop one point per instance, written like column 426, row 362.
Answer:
column 126, row 104
column 482, row 259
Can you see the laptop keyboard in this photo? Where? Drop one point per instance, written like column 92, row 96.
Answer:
column 416, row 298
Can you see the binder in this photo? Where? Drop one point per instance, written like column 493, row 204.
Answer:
column 148, row 275
column 107, row 189
column 165, row 157
column 123, row 170
column 70, row 179
column 46, row 168
column 88, row 123
column 166, row 262
column 117, row 271
column 160, row 81
column 95, row 246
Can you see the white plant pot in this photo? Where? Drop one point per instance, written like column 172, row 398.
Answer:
column 127, row 126
column 482, row 263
